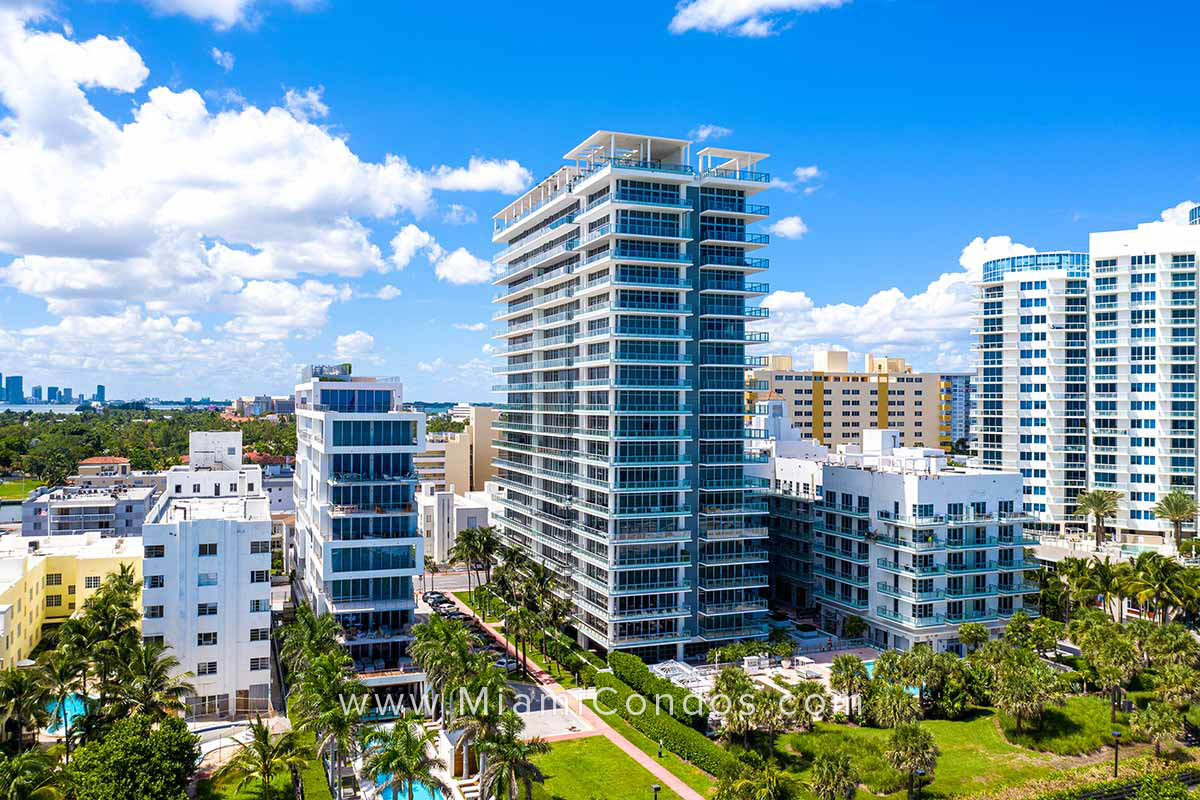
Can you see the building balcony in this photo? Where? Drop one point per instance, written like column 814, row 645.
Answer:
column 916, row 544
column 667, row 560
column 733, row 206
column 845, row 555
column 737, row 607
column 738, row 582
column 743, row 507
column 651, row 588
column 744, row 557
column 734, row 632
column 909, row 621
column 734, row 262
column 738, row 532
column 370, row 509
column 1018, row 588
column 352, row 478
column 979, row 566
column 908, row 594
column 910, row 569
column 722, row 175
column 971, row 616
column 969, row 591
column 963, row 544
column 845, row 600
column 844, row 577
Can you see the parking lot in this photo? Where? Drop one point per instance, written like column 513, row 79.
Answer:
column 440, row 603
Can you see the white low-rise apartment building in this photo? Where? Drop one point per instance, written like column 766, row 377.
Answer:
column 69, row 510
column 207, row 577
column 895, row 536
column 442, row 515
column 358, row 546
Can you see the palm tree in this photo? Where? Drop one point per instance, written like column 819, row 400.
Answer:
column 265, row 754
column 325, row 703
column 1158, row 723
column 151, row 682
column 892, row 705
column 558, row 613
column 404, row 755
column 1177, row 507
column 29, row 775
column 767, row 782
column 432, row 568
column 306, row 637
column 730, row 685
column 848, row 676
column 911, row 749
column 1073, row 572
column 23, row 698
column 488, row 544
column 1101, row 504
column 60, row 670
column 510, row 760
column 972, row 634
column 1157, row 581
column 442, row 648
column 833, row 777
column 1104, row 579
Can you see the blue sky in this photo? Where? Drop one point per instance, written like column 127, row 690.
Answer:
column 190, row 240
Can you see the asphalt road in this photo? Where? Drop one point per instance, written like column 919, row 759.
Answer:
column 444, row 582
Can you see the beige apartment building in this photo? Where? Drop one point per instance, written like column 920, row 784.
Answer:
column 835, row 404
column 462, row 460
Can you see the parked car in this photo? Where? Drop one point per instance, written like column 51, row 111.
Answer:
column 508, row 664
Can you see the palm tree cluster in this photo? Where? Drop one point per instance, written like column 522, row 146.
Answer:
column 474, row 699
column 1176, row 507
column 1160, row 587
column 98, row 661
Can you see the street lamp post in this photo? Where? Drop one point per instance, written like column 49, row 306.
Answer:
column 920, row 777
column 1116, row 751
column 656, row 789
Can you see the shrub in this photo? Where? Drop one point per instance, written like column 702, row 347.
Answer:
column 1165, row 785
column 687, row 743
column 634, row 672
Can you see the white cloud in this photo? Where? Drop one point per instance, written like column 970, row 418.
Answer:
column 931, row 327
column 460, row 267
column 800, row 176
column 410, row 241
column 388, row 292
column 1178, row 215
column 224, row 58
column 789, row 228
column 223, row 14
column 359, row 344
column 471, row 326
column 490, row 349
column 306, row 105
column 483, row 175
column 431, row 366
column 704, row 132
column 459, row 215
column 230, row 217
column 750, row 18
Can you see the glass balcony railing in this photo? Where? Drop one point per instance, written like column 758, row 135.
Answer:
column 971, row 591
column 737, row 175
column 910, row 621
column 907, row 594
column 841, row 599
column 733, row 205
column 910, row 569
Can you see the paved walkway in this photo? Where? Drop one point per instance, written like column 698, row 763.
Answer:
column 661, row 774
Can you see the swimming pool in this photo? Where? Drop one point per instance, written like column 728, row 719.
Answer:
column 75, row 709
column 870, row 665
column 419, row 792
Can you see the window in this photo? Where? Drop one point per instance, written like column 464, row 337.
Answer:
column 158, row 640
column 259, row 606
column 154, row 551
column 153, row 612
column 206, row 639
column 233, row 487
column 153, row 582
column 196, row 488
column 208, row 549
column 179, row 488
column 53, row 600
column 206, row 579
column 249, row 487
column 206, row 610
column 260, row 576
column 260, row 634
column 91, row 582
column 262, row 546
column 257, row 664
column 54, row 579
column 206, row 668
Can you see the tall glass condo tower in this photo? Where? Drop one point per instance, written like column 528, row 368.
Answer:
column 625, row 292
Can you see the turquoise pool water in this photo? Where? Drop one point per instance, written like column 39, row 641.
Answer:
column 75, row 708
column 870, row 665
column 419, row 792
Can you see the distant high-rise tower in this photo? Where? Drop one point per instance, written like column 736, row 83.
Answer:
column 52, row 394
column 67, row 396
column 37, row 394
column 99, row 397
column 14, row 390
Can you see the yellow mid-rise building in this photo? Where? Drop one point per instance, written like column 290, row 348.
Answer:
column 833, row 403
column 45, row 579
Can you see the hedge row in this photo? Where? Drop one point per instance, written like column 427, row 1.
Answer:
column 633, row 671
column 1187, row 775
column 687, row 743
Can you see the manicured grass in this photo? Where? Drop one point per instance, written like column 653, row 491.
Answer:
column 974, row 756
column 468, row 600
column 693, row 776
column 1080, row 726
column 593, row 769
column 312, row 777
column 16, row 490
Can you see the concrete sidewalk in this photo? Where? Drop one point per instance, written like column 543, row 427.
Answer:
column 661, row 774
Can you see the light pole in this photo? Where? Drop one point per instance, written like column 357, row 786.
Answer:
column 920, row 777
column 1116, row 751
column 654, row 787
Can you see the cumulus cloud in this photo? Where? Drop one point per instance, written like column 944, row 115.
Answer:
column 461, row 267
column 388, row 292
column 471, row 326
column 800, row 177
column 431, row 366
column 789, row 228
column 306, row 105
column 224, row 58
column 705, row 132
column 931, row 327
column 410, row 241
column 243, row 220
column 750, row 18
column 222, row 14
column 357, row 345
column 1179, row 214
column 459, row 215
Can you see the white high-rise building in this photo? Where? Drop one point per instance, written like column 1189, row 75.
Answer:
column 1030, row 412
column 625, row 299
column 1143, row 380
column 356, row 520
column 896, row 537
column 207, row 576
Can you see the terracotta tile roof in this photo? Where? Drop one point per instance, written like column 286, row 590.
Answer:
column 105, row 460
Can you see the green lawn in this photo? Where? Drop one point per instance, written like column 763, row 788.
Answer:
column 1081, row 725
column 593, row 769
column 974, row 755
column 693, row 776
column 312, row 777
column 16, row 490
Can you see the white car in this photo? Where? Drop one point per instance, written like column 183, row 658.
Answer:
column 508, row 664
